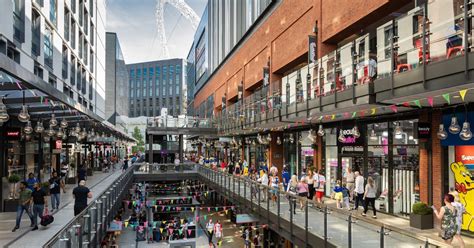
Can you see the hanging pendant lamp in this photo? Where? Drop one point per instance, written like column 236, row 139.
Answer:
column 28, row 129
column 4, row 117
column 442, row 134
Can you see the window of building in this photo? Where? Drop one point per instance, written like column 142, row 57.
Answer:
column 86, row 49
column 171, row 69
column 52, row 80
column 91, row 92
column 138, row 93
column 73, row 33
column 91, row 67
column 72, row 78
column 178, row 69
column 80, row 45
column 165, row 70
column 157, row 71
column 151, row 72
column 177, row 90
column 66, row 24
column 139, row 72
column 78, row 76
column 81, row 12
column 48, row 47
column 65, row 64
column 86, row 23
column 92, row 33
column 19, row 20
column 150, row 93
column 144, row 72
column 53, row 12
column 13, row 54
column 144, row 92
column 170, row 91
column 36, row 33
column 132, row 74
column 157, row 91
column 178, row 78
column 73, row 6
column 131, row 92
column 37, row 70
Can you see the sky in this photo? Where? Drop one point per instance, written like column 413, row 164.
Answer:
column 135, row 24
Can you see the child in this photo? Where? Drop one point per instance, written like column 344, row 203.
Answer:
column 338, row 194
column 345, row 196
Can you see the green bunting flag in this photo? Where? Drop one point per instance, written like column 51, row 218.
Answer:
column 446, row 97
column 417, row 103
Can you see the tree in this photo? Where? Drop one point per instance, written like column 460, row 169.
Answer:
column 140, row 143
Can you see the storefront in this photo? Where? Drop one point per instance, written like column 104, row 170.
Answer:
column 386, row 151
column 459, row 164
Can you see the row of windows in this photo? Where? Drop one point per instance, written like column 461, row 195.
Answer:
column 149, row 91
column 139, row 72
column 158, row 83
column 152, row 112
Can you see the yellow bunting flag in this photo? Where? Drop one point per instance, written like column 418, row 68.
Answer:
column 161, row 230
column 182, row 221
column 192, row 209
column 126, row 223
column 226, row 211
column 462, row 93
column 373, row 111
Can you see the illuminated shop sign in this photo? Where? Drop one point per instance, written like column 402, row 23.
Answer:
column 346, row 137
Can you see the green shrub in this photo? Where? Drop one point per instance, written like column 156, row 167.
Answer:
column 14, row 178
column 421, row 208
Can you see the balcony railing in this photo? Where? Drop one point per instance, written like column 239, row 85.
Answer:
column 400, row 43
column 88, row 228
column 180, row 122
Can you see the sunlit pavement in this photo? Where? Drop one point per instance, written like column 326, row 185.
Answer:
column 98, row 181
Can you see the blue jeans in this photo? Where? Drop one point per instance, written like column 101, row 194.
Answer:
column 55, row 201
column 19, row 213
column 38, row 210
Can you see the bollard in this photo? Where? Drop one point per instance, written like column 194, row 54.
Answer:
column 325, row 226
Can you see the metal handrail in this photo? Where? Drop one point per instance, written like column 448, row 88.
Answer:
column 328, row 209
column 75, row 219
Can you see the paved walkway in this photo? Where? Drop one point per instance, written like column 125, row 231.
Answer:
column 24, row 237
column 364, row 233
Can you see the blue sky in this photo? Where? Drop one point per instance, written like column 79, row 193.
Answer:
column 135, row 24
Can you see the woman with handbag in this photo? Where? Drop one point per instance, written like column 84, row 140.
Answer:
column 447, row 215
column 292, row 190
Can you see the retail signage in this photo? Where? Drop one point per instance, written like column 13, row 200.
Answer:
column 424, row 130
column 13, row 135
column 266, row 76
column 453, row 139
column 245, row 218
column 59, row 144
column 346, row 137
column 115, row 226
column 312, row 49
column 465, row 155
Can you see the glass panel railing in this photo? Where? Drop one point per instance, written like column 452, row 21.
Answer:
column 445, row 29
column 408, row 45
column 384, row 50
column 345, row 69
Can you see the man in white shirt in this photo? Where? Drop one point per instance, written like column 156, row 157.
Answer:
column 264, row 181
column 359, row 190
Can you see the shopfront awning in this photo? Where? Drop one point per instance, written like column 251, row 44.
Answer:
column 43, row 100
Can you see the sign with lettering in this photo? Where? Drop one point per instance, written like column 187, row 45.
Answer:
column 59, row 144
column 424, row 130
column 13, row 134
column 465, row 154
column 346, row 137
column 312, row 52
column 266, row 76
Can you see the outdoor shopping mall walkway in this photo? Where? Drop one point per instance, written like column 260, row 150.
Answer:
column 25, row 238
column 365, row 232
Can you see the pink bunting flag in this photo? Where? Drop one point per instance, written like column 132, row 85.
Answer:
column 197, row 218
column 394, row 108
column 430, row 100
column 208, row 209
column 406, row 104
column 189, row 232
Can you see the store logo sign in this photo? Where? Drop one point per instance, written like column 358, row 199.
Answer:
column 13, row 134
column 346, row 137
column 424, row 130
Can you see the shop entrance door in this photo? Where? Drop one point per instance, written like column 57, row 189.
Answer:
column 353, row 161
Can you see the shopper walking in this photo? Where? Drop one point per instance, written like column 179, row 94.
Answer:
column 350, row 182
column 369, row 196
column 40, row 202
column 31, row 181
column 310, row 181
column 319, row 184
column 210, row 232
column 218, row 232
column 275, row 182
column 264, row 181
column 81, row 193
column 359, row 190
column 81, row 174
column 292, row 190
column 285, row 176
column 460, row 211
column 55, row 186
column 24, row 203
column 302, row 189
column 448, row 216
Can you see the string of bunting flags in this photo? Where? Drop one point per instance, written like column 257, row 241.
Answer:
column 394, row 108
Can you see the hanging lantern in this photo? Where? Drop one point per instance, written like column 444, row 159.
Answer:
column 291, row 139
column 83, row 134
column 50, row 132
column 454, row 128
column 64, row 135
column 320, row 131
column 28, row 129
column 46, row 137
column 4, row 117
column 278, row 140
column 465, row 133
column 77, row 128
column 63, row 123
column 60, row 133
column 341, row 137
column 39, row 127
column 355, row 132
column 398, row 129
column 311, row 136
column 442, row 134
column 53, row 122
column 24, row 116
column 269, row 137
column 91, row 135
column 27, row 137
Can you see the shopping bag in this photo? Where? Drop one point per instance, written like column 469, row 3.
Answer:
column 47, row 218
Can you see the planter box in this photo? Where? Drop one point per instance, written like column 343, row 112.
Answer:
column 10, row 205
column 421, row 221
